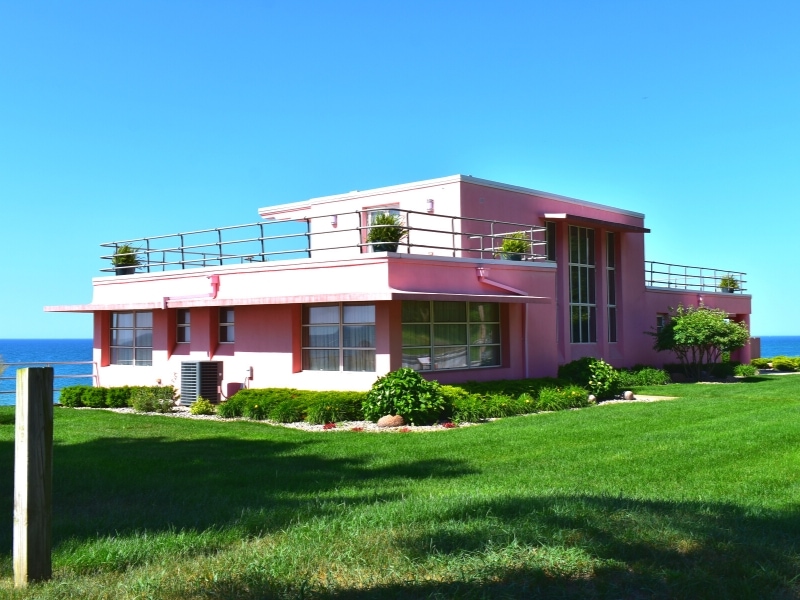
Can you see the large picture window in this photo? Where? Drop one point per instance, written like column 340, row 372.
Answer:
column 582, row 300
column 450, row 335
column 338, row 337
column 132, row 338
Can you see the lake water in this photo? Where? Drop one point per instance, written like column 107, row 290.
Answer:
column 61, row 351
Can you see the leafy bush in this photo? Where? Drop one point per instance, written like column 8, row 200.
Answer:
column 255, row 411
column 510, row 387
column 404, row 392
column 153, row 399
column 760, row 363
column 118, row 397
column 72, row 396
column 744, row 370
column 640, row 376
column 288, row 411
column 784, row 363
column 594, row 374
column 572, row 396
column 331, row 407
column 94, row 397
column 233, row 407
column 201, row 406
column 577, row 371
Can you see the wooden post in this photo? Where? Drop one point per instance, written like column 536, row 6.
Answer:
column 33, row 476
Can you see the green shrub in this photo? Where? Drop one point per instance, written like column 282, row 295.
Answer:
column 153, row 399
column 510, row 387
column 784, row 363
column 255, row 411
column 201, row 406
column 722, row 369
column 760, row 363
column 94, row 397
column 232, row 408
column 404, row 392
column 640, row 376
column 288, row 411
column 577, row 371
column 333, row 407
column 744, row 370
column 118, row 397
column 594, row 374
column 72, row 396
column 572, row 396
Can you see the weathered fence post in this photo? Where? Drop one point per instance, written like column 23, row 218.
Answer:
column 33, row 476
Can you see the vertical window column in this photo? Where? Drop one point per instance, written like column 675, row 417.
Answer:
column 611, row 287
column 583, row 302
column 184, row 333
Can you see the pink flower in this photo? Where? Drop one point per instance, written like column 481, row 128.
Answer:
column 329, row 426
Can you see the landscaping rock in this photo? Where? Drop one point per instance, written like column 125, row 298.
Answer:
column 592, row 399
column 391, row 421
column 628, row 395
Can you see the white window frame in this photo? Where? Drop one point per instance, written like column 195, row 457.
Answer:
column 340, row 348
column 136, row 346
column 229, row 327
column 183, row 330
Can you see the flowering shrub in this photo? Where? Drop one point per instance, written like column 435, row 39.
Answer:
column 603, row 380
column 201, row 406
column 153, row 399
column 448, row 425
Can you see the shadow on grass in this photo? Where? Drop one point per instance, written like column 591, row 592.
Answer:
column 118, row 486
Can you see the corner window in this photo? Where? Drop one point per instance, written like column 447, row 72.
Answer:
column 611, row 287
column 184, row 326
column 582, row 301
column 226, row 330
column 338, row 337
column 661, row 321
column 450, row 335
column 132, row 338
column 550, row 238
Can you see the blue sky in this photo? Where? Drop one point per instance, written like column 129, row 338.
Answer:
column 127, row 119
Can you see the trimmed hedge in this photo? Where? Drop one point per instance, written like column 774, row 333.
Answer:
column 75, row 396
column 286, row 405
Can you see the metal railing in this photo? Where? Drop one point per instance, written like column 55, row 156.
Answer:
column 700, row 279
column 426, row 233
column 56, row 374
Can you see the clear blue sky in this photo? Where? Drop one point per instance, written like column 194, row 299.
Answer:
column 126, row 119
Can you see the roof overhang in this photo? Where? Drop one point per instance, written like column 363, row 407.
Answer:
column 579, row 220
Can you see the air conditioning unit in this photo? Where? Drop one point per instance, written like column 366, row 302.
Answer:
column 201, row 378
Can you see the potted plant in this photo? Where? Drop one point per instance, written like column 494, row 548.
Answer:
column 729, row 284
column 386, row 232
column 515, row 245
column 125, row 259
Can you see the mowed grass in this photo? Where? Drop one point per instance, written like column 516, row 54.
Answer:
column 689, row 498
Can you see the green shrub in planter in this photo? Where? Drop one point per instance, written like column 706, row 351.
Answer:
column 404, row 392
column 201, row 406
column 572, row 396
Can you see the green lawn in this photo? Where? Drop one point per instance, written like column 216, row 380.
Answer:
column 689, row 498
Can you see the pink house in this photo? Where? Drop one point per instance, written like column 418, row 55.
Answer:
column 301, row 299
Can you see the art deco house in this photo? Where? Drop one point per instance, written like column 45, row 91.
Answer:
column 306, row 299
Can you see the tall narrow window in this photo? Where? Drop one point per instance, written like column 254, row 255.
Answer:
column 661, row 321
column 550, row 238
column 227, row 334
column 450, row 335
column 132, row 338
column 582, row 300
column 339, row 337
column 611, row 295
column 184, row 333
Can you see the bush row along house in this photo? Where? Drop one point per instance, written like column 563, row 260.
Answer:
column 306, row 299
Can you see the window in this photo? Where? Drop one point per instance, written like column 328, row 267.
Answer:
column 661, row 321
column 450, row 335
column 550, row 238
column 132, row 338
column 338, row 337
column 184, row 326
column 226, row 330
column 611, row 295
column 582, row 301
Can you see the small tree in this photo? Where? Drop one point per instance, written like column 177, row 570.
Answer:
column 699, row 336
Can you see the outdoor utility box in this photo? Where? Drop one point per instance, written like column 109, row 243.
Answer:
column 201, row 378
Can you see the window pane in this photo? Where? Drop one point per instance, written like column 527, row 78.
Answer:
column 184, row 335
column 610, row 254
column 484, row 311
column 321, row 336
column 612, row 324
column 573, row 245
column 226, row 315
column 184, row 316
column 358, row 360
column 484, row 356
column 226, row 333
column 359, row 313
column 592, row 324
column 450, row 357
column 121, row 356
column 590, row 245
column 418, row 359
column 446, row 335
column 416, row 335
column 449, row 312
column 576, row 324
column 358, row 336
column 321, row 360
column 122, row 319
column 415, row 311
column 574, row 284
column 144, row 338
column 612, row 288
column 320, row 314
column 122, row 337
column 144, row 357
column 584, row 325
column 483, row 333
column 144, row 319
column 591, row 284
